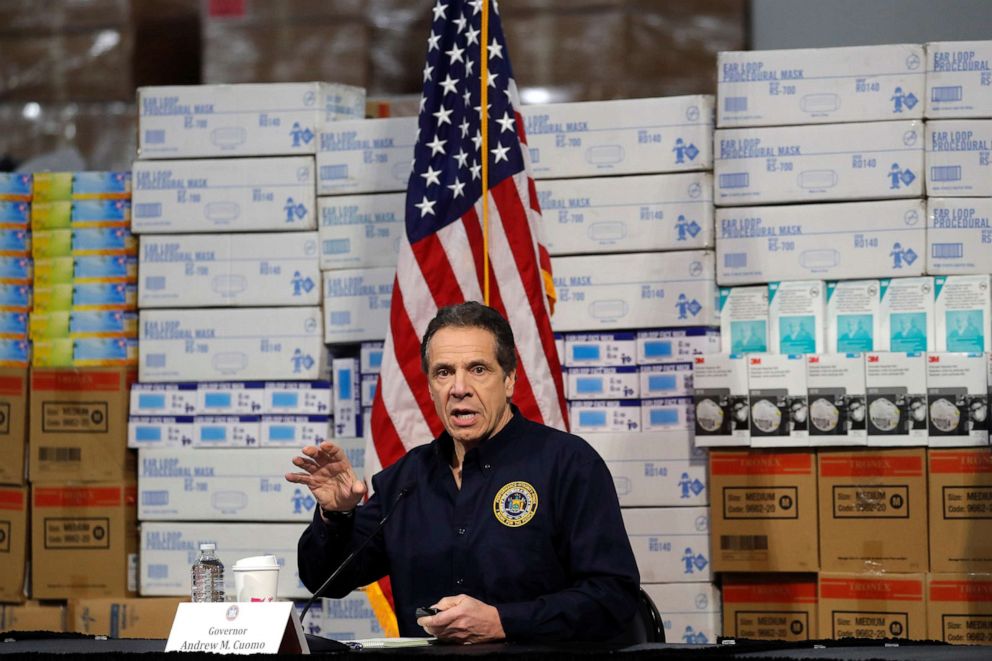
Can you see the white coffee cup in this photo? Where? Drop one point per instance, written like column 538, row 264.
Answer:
column 256, row 578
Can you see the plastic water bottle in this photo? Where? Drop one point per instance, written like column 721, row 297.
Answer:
column 208, row 575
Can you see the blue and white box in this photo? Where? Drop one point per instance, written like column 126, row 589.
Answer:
column 356, row 304
column 347, row 397
column 366, row 156
column 14, row 325
column 820, row 85
column 692, row 612
column 661, row 345
column 672, row 379
column 654, row 468
column 170, row 431
column 962, row 310
column 958, row 400
column 369, row 384
column 671, row 544
column 896, row 387
column 255, row 119
column 604, row 415
column 221, row 270
column 602, row 383
column 294, row 431
column 628, row 214
column 872, row 160
column 169, row 549
column 361, row 231
column 959, row 79
column 350, row 618
column 226, row 431
column 297, row 397
column 630, row 136
column 907, row 315
column 163, row 399
column 838, row 406
column 230, row 398
column 211, row 484
column 16, row 270
column 828, row 241
column 796, row 312
column 666, row 413
column 744, row 319
column 853, row 316
column 231, row 344
column 722, row 416
column 959, row 235
column 224, row 195
column 635, row 290
column 959, row 158
column 370, row 357
column 779, row 401
column 599, row 349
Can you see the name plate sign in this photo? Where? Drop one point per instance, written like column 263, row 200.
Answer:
column 237, row 628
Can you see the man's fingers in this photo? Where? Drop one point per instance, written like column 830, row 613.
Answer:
column 298, row 478
column 450, row 602
column 358, row 488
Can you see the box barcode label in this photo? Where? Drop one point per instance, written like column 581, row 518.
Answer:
column 74, row 417
column 735, row 104
column 60, row 455
column 966, row 628
column 77, row 533
column 333, row 172
column 735, row 260
column 945, row 173
column 946, row 94
column 947, row 250
column 735, row 180
column 342, row 318
column 154, row 498
column 158, row 571
column 743, row 542
column 148, row 210
column 155, row 136
column 155, row 360
column 337, row 246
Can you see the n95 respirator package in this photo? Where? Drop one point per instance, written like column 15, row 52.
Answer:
column 722, row 412
column 896, row 385
column 837, row 403
column 957, row 399
column 779, row 404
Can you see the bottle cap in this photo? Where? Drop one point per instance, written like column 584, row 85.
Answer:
column 208, row 546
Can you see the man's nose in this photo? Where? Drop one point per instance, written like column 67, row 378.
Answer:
column 459, row 386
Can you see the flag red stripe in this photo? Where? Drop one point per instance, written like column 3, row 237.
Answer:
column 388, row 445
column 406, row 346
column 438, row 274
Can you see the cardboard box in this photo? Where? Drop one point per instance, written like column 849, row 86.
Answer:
column 221, row 270
column 230, row 398
column 17, row 270
column 351, row 618
column 627, row 214
column 86, row 269
column 872, row 606
column 297, row 397
column 770, row 606
column 959, row 608
column 104, row 241
column 224, row 195
column 744, row 319
column 796, row 316
column 13, row 543
column 654, row 347
column 958, row 399
column 294, row 431
column 123, row 618
column 958, row 79
column 14, row 325
column 347, row 397
column 33, row 616
column 631, row 136
column 16, row 243
column 668, row 289
column 356, row 304
column 764, row 511
column 602, row 383
column 825, row 241
column 227, row 431
column 84, row 324
column 896, row 384
column 666, row 413
column 16, row 186
column 779, row 400
column 820, row 85
column 368, row 384
column 690, row 612
column 604, row 415
column 92, row 352
column 873, row 160
column 268, row 119
column 960, row 495
column 672, row 379
column 370, row 357
column 962, row 309
column 957, row 158
column 598, row 349
column 91, row 185
column 207, row 484
column 670, row 543
column 162, row 431
column 654, row 469
column 84, row 541
column 15, row 353
column 722, row 415
column 958, row 235
column 838, row 407
column 13, row 424
column 79, row 425
column 168, row 550
column 245, row 343
column 872, row 503
column 163, row 399
column 361, row 231
column 365, row 155
column 93, row 296
column 853, row 316
column 907, row 315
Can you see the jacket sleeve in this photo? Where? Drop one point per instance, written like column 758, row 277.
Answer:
column 605, row 581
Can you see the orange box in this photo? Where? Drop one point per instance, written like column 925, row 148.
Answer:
column 769, row 606
column 13, row 424
column 123, row 618
column 876, row 606
column 960, row 510
column 959, row 608
column 33, row 616
column 13, row 543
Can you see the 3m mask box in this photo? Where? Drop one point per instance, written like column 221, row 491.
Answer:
column 959, row 79
column 224, row 195
column 209, row 484
column 962, row 312
column 829, row 241
column 838, row 408
column 820, row 85
column 853, row 318
column 958, row 158
column 779, row 401
column 795, row 316
column 636, row 290
column 959, row 235
column 958, row 399
column 269, row 119
column 906, row 315
column 356, row 304
column 671, row 545
column 361, row 231
column 216, row 345
column 744, row 319
column 819, row 163
column 630, row 136
column 366, row 156
column 723, row 411
column 627, row 214
column 896, row 386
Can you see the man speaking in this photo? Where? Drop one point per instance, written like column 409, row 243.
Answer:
column 511, row 529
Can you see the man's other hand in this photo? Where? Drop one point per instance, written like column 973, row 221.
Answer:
column 464, row 620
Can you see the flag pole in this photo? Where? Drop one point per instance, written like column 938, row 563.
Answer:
column 484, row 130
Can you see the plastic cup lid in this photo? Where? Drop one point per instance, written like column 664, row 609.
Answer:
column 257, row 562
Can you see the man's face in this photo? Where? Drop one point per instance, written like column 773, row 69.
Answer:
column 470, row 391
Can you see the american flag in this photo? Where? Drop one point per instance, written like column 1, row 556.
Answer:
column 441, row 261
